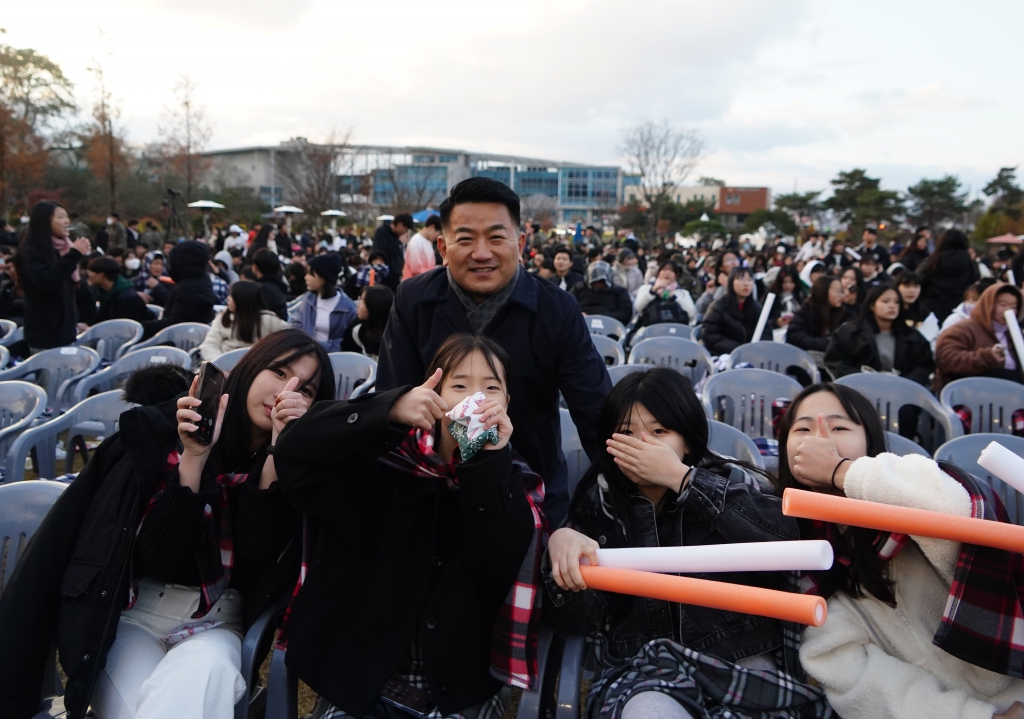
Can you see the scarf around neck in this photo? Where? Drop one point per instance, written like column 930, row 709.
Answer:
column 481, row 314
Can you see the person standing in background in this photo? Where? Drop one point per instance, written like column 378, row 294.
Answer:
column 117, row 233
column 419, row 253
column 49, row 276
column 387, row 239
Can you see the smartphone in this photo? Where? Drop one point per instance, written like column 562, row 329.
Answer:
column 211, row 387
column 409, row 699
column 72, row 235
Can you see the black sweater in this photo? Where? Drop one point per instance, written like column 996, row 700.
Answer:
column 727, row 326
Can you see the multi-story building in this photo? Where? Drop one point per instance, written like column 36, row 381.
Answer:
column 385, row 178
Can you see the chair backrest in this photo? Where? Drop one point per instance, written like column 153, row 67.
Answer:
column 902, row 446
column 185, row 336
column 728, row 441
column 609, row 349
column 889, row 393
column 15, row 334
column 20, row 404
column 775, row 357
column 22, row 509
column 685, row 356
column 606, row 326
column 992, row 401
column 56, row 371
column 742, row 398
column 964, row 452
column 6, row 327
column 619, row 371
column 351, row 370
column 114, row 375
column 101, row 412
column 227, row 361
column 572, row 448
column 157, row 310
column 111, row 339
column 5, row 357
column 664, row 329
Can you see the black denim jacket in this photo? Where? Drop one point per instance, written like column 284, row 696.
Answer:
column 711, row 510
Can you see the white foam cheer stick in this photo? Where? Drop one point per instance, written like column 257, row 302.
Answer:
column 1011, row 323
column 1004, row 464
column 812, row 554
column 763, row 319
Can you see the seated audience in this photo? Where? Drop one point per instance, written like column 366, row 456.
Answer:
column 909, row 286
column 12, row 297
column 732, row 320
column 947, row 273
column 267, row 268
column 418, row 532
column 663, row 300
column 115, row 293
column 963, row 310
column 149, row 283
column 192, row 297
column 789, row 296
column 627, row 272
column 365, row 333
column 242, row 324
column 854, row 289
column 877, row 340
column 980, row 346
column 599, row 295
column 873, row 273
column 916, row 627
column 656, row 483
column 375, row 271
column 820, row 316
column 565, row 276
column 324, row 313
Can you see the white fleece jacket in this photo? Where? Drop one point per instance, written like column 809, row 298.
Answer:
column 221, row 339
column 877, row 662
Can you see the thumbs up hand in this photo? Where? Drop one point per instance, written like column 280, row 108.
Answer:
column 816, row 458
column 289, row 405
column 421, row 406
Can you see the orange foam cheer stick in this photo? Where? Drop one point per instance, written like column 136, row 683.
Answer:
column 903, row 520
column 788, row 606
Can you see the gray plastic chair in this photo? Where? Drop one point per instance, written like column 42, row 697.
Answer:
column 99, row 413
column 902, row 446
column 728, row 441
column 22, row 509
column 5, row 357
column 56, row 371
column 605, row 326
column 17, row 335
column 685, row 356
column 664, row 329
column 964, row 452
column 992, row 401
column 113, row 376
column 157, row 310
column 609, row 349
column 572, row 448
column 775, row 357
column 110, row 339
column 354, row 374
column 20, row 404
column 6, row 327
column 619, row 371
column 185, row 336
column 742, row 398
column 888, row 393
column 227, row 361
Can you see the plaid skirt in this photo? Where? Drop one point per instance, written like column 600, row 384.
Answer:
column 707, row 687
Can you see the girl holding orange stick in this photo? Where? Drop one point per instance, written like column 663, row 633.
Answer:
column 917, row 627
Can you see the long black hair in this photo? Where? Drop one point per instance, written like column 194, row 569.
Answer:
column 274, row 351
column 951, row 243
column 867, row 315
column 866, row 572
column 829, row 317
column 378, row 300
column 246, row 320
column 669, row 397
column 39, row 238
column 798, row 286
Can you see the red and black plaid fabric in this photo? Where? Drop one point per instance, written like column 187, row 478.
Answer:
column 215, row 557
column 983, row 623
column 966, row 416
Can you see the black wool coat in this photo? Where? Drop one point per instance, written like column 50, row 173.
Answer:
column 853, row 346
column 726, row 326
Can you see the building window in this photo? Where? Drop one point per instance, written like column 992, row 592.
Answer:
column 447, row 158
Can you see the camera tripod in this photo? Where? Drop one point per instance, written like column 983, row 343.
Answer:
column 174, row 218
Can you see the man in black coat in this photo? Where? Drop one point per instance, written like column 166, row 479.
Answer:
column 115, row 292
column 387, row 239
column 267, row 269
column 599, row 295
column 484, row 290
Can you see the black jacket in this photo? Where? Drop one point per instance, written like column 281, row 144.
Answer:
column 386, row 240
column 396, row 557
column 611, row 301
column 544, row 334
column 726, row 326
column 273, row 295
column 51, row 315
column 853, row 346
column 711, row 510
column 804, row 329
column 572, row 278
column 192, row 298
column 72, row 581
column 126, row 304
column 943, row 281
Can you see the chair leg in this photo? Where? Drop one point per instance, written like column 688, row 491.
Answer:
column 282, row 689
column 567, row 704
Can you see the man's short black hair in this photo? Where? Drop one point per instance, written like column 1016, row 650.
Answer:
column 132, row 222
column 115, row 252
column 433, row 221
column 405, row 218
column 548, row 265
column 871, row 230
column 593, row 253
column 267, row 263
column 378, row 255
column 560, row 250
column 481, row 190
column 115, row 215
column 107, row 266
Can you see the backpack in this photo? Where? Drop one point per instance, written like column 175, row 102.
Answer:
column 661, row 310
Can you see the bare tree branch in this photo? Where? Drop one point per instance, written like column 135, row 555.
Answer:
column 185, row 134
column 311, row 171
column 663, row 157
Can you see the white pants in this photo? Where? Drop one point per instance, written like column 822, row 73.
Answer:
column 147, row 678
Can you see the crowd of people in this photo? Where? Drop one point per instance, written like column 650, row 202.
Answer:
column 418, row 536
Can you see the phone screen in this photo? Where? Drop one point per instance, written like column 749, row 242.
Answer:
column 211, row 387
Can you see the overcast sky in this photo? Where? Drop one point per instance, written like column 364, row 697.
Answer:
column 786, row 92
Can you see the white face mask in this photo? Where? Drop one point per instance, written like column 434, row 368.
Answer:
column 132, row 263
column 110, row 220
